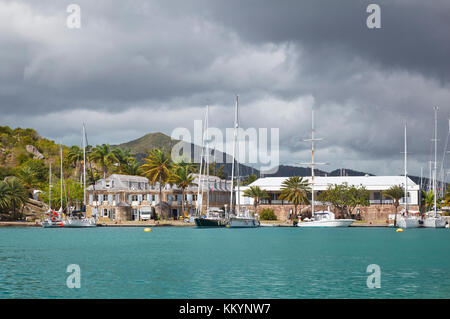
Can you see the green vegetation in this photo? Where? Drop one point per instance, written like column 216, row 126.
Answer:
column 13, row 196
column 181, row 175
column 256, row 193
column 295, row 190
column 396, row 192
column 447, row 198
column 267, row 214
column 346, row 198
column 250, row 179
column 157, row 169
column 148, row 142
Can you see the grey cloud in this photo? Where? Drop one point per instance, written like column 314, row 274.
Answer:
column 145, row 66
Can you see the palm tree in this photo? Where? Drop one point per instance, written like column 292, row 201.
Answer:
column 295, row 190
column 183, row 178
column 75, row 155
column 4, row 195
column 447, row 198
column 102, row 155
column 16, row 193
column 256, row 193
column 121, row 157
column 428, row 200
column 157, row 169
column 132, row 167
column 27, row 176
column 395, row 192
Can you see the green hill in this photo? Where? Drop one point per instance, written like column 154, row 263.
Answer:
column 146, row 143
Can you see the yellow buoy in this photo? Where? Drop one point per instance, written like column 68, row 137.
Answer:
column 147, row 229
column 399, row 230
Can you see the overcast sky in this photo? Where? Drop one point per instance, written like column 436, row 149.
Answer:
column 136, row 67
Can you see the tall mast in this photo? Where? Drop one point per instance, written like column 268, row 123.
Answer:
column 50, row 188
column 207, row 158
column 234, row 151
column 406, row 173
column 84, row 164
column 61, row 179
column 435, row 158
column 238, row 172
column 200, row 184
column 313, row 163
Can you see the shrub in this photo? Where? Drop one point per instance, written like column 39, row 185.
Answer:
column 267, row 214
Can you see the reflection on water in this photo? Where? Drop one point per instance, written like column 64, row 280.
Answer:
column 223, row 263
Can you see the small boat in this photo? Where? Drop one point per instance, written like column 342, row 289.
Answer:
column 434, row 220
column 53, row 220
column 325, row 219
column 408, row 220
column 78, row 219
column 244, row 220
column 213, row 218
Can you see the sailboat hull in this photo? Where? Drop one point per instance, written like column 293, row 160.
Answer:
column 327, row 223
column 408, row 222
column 434, row 222
column 80, row 223
column 209, row 222
column 243, row 223
column 50, row 224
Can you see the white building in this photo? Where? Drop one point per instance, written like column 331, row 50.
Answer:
column 374, row 184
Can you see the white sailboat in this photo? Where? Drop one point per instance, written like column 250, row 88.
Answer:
column 242, row 218
column 320, row 218
column 433, row 219
column 80, row 220
column 54, row 218
column 407, row 220
column 213, row 217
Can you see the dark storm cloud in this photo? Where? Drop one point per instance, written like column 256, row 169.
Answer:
column 143, row 66
column 415, row 34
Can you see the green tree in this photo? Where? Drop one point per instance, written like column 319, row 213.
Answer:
column 250, row 179
column 71, row 188
column 346, row 198
column 16, row 195
column 121, row 158
column 27, row 176
column 157, row 169
column 214, row 170
column 256, row 193
column 267, row 214
column 428, row 200
column 102, row 155
column 183, row 178
column 447, row 198
column 395, row 192
column 295, row 190
column 132, row 167
column 75, row 157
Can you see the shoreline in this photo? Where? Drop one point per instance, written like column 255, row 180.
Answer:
column 170, row 224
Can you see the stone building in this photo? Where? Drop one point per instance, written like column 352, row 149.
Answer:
column 379, row 209
column 133, row 198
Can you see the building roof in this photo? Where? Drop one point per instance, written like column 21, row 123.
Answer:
column 322, row 182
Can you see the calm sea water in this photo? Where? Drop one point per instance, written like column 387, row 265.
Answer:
column 171, row 262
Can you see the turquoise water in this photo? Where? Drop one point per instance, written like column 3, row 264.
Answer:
column 277, row 262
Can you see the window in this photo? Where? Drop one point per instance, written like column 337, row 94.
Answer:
column 134, row 198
